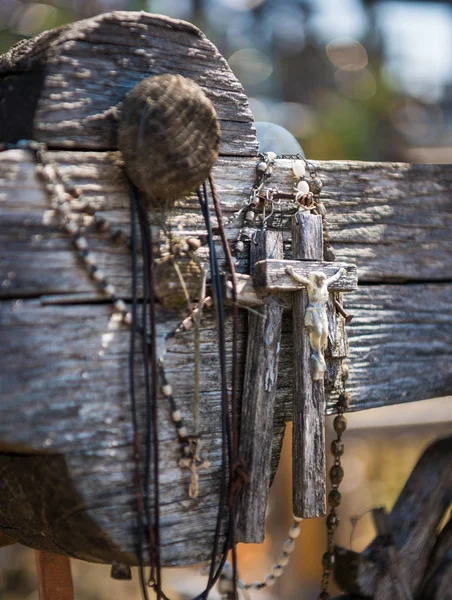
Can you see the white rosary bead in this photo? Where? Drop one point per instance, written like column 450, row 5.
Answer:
column 299, row 168
column 110, row 290
column 182, row 432
column 208, row 302
column 297, row 519
column 120, row 306
column 289, row 546
column 240, row 246
column 98, row 275
column 71, row 227
column 294, row 532
column 127, row 318
column 187, row 323
column 283, row 559
column 167, row 390
column 303, row 187
column 250, row 215
column 89, row 259
column 175, row 415
column 271, row 156
column 277, row 570
column 270, row 580
column 81, row 243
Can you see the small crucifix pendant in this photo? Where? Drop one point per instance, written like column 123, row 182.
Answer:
column 193, row 462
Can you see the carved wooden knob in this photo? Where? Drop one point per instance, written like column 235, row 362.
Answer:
column 169, row 136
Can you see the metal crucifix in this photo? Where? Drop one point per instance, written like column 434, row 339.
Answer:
column 310, row 279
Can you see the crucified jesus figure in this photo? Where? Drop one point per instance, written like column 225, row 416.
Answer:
column 316, row 319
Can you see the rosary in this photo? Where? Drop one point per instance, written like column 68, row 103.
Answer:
column 77, row 216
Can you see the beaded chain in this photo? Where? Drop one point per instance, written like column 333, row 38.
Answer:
column 225, row 581
column 63, row 195
column 336, row 475
column 65, row 201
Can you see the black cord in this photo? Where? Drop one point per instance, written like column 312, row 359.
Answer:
column 132, row 393
column 226, row 447
column 151, row 387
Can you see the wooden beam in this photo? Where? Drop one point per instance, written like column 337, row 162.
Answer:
column 415, row 517
column 271, row 276
column 308, row 402
column 86, row 68
column 258, row 400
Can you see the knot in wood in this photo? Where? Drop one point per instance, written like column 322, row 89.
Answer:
column 169, row 135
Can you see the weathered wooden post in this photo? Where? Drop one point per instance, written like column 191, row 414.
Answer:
column 64, row 418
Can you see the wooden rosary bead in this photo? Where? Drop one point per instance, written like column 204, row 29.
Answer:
column 328, row 560
column 336, row 474
column 323, row 596
column 334, row 498
column 169, row 136
column 332, row 521
column 337, row 448
column 345, row 398
column 340, row 424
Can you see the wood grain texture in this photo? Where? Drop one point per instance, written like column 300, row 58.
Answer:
column 414, row 519
column 41, row 261
column 88, row 67
column 59, row 398
column 308, row 401
column 258, row 400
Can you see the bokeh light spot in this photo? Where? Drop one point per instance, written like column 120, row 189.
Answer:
column 347, row 54
column 33, row 19
column 242, row 4
column 251, row 66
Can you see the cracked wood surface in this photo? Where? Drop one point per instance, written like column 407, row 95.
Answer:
column 65, row 436
column 81, row 72
column 65, row 360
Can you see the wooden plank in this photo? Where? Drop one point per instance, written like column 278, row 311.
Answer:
column 87, row 68
column 54, row 576
column 91, row 409
column 272, row 277
column 414, row 520
column 41, row 260
column 258, row 400
column 308, row 401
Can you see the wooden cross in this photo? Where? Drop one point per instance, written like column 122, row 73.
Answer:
column 308, row 278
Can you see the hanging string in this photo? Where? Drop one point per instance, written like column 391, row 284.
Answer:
column 239, row 476
column 151, row 390
column 228, row 453
column 132, row 393
column 226, row 446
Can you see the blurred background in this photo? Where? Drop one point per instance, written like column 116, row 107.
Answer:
column 351, row 79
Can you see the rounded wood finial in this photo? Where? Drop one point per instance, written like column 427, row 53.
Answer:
column 169, row 136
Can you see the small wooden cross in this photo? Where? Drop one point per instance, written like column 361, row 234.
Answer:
column 308, row 277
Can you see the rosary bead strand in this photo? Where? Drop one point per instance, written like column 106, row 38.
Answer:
column 61, row 191
column 224, row 584
column 336, row 475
